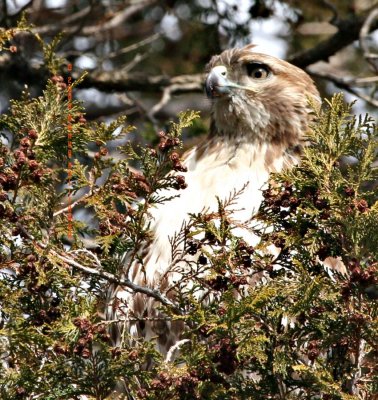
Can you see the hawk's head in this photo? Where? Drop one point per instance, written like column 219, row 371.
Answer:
column 259, row 97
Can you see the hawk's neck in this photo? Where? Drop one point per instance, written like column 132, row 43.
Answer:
column 247, row 148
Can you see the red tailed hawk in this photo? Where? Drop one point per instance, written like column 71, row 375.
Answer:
column 259, row 116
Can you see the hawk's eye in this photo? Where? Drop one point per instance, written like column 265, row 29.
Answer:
column 257, row 70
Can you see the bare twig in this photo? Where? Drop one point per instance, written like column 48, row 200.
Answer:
column 134, row 46
column 122, row 81
column 118, row 19
column 71, row 205
column 346, row 85
column 366, row 81
column 90, row 254
column 371, row 58
column 348, row 32
column 333, row 8
column 155, row 294
column 135, row 61
column 174, row 88
column 58, row 26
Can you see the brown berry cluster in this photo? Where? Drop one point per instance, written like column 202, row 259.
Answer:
column 285, row 201
column 192, row 246
column 139, row 184
column 183, row 384
column 58, row 81
column 21, row 164
column 365, row 279
column 167, row 143
column 276, row 198
column 244, row 253
column 278, row 240
column 46, row 316
column 179, row 182
column 313, row 351
column 103, row 151
column 224, row 354
column 30, row 272
column 228, row 278
column 349, row 191
column 115, row 224
column 134, row 185
column 205, row 372
column 61, row 349
column 21, row 393
column 87, row 332
column 176, row 163
column 358, row 204
column 219, row 283
column 121, row 185
column 46, row 308
column 361, row 205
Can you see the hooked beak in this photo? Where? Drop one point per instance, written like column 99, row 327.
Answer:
column 217, row 83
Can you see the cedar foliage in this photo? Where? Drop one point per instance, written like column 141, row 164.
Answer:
column 304, row 331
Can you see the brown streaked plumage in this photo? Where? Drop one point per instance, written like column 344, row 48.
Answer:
column 259, row 117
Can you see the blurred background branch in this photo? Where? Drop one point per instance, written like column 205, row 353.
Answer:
column 146, row 58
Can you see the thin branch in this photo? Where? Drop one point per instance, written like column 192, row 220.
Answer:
column 346, row 85
column 97, row 30
column 122, row 81
column 155, row 294
column 119, row 18
column 348, row 32
column 71, row 205
column 165, row 98
column 135, row 61
column 364, row 33
column 89, row 254
column 134, row 46
column 168, row 91
column 334, row 10
column 366, row 81
column 62, row 24
column 119, row 281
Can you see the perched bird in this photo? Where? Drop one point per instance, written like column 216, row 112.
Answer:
column 259, row 117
